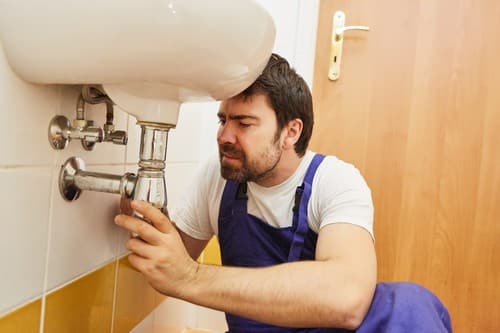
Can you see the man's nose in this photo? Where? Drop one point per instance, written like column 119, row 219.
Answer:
column 226, row 134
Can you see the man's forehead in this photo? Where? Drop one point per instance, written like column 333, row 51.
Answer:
column 253, row 105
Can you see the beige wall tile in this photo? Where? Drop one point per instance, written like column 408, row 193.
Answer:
column 178, row 177
column 83, row 234
column 24, row 202
column 285, row 19
column 186, row 140
column 174, row 313
column 211, row 320
column 25, row 112
column 134, row 143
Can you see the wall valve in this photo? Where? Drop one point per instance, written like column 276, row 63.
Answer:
column 61, row 131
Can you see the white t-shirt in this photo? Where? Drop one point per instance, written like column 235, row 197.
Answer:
column 339, row 194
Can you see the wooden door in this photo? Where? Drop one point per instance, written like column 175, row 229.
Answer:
column 417, row 110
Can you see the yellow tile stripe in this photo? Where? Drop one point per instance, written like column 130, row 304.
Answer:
column 86, row 304
column 211, row 255
column 26, row 319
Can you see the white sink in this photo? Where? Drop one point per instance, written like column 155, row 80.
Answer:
column 149, row 55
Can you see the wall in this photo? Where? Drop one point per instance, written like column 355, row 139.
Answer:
column 63, row 264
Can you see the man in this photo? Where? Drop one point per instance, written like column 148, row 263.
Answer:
column 295, row 227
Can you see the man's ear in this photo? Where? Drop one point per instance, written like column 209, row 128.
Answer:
column 292, row 130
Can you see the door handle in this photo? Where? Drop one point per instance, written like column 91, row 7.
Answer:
column 338, row 29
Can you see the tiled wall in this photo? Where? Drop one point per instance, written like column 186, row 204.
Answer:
column 63, row 266
column 63, row 258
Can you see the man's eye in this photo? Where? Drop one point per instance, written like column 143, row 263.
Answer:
column 245, row 125
column 222, row 121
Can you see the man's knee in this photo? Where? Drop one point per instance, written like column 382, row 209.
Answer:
column 405, row 307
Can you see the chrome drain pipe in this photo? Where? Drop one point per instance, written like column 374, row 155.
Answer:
column 148, row 185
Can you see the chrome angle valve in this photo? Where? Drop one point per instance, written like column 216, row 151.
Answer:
column 62, row 131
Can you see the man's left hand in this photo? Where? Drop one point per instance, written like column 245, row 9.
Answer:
column 158, row 251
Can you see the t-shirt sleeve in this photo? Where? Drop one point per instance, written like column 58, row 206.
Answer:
column 192, row 213
column 343, row 196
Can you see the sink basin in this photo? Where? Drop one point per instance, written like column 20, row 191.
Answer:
column 149, row 55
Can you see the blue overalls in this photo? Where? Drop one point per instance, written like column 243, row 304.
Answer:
column 247, row 241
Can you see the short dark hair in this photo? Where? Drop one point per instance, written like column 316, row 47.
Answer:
column 288, row 95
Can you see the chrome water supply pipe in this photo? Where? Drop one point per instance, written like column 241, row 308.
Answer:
column 73, row 179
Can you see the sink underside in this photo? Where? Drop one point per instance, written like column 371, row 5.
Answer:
column 148, row 54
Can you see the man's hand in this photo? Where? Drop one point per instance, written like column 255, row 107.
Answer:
column 158, row 252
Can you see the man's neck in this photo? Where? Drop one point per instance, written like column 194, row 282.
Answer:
column 287, row 165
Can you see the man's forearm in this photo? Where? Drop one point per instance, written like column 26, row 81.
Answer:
column 335, row 290
column 299, row 294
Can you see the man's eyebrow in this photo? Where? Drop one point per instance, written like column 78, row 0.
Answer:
column 237, row 117
column 243, row 116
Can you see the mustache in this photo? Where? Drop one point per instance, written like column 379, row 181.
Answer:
column 230, row 149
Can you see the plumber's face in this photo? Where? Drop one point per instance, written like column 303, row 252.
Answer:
column 249, row 147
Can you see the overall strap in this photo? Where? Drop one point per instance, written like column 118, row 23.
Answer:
column 302, row 199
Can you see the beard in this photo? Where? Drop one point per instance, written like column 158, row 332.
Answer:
column 253, row 170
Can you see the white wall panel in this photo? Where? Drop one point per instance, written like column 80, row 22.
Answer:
column 25, row 112
column 83, row 233
column 24, row 207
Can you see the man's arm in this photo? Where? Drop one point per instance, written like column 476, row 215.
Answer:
column 335, row 290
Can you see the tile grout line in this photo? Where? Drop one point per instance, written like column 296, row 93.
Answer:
column 80, row 276
column 296, row 32
column 304, row 23
column 117, row 261
column 47, row 251
column 117, row 246
column 24, row 166
column 49, row 233
column 113, row 307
